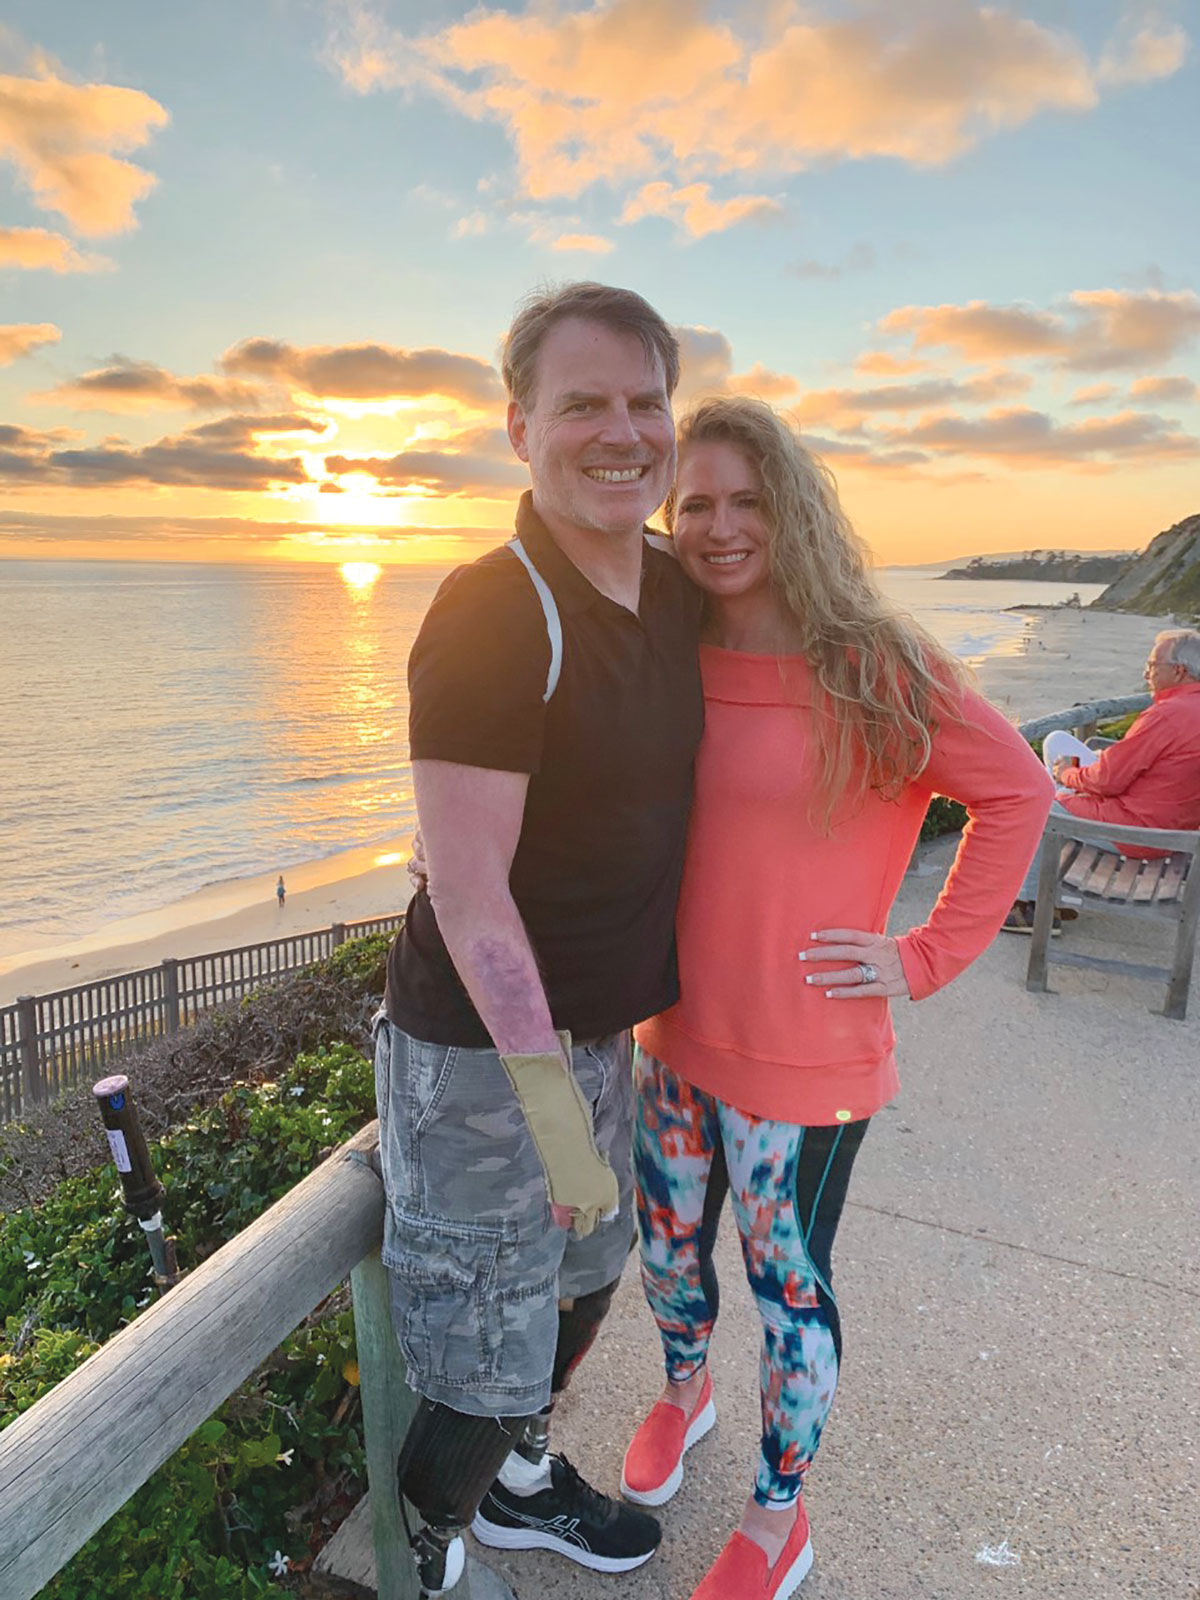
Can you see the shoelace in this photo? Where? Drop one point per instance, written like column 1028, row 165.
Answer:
column 580, row 1496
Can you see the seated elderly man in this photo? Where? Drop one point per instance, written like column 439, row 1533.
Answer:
column 1149, row 779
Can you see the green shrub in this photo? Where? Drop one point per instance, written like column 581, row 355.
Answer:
column 361, row 962
column 1119, row 726
column 943, row 816
column 84, row 1265
column 75, row 1269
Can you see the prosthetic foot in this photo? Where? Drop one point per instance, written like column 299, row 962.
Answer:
column 440, row 1556
column 447, row 1463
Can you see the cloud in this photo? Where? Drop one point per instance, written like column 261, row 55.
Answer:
column 471, row 226
column 1025, row 438
column 883, row 364
column 218, row 455
column 368, row 371
column 37, row 248
column 978, row 331
column 705, row 362
column 706, row 367
column 61, row 138
column 869, row 457
column 1094, row 394
column 628, row 92
column 1121, row 328
column 124, row 386
column 20, row 338
column 435, row 472
column 763, row 383
column 1096, row 330
column 240, row 430
column 859, row 258
column 693, row 209
column 1166, row 388
column 586, row 243
column 475, row 461
column 828, row 405
column 57, row 528
column 1151, row 53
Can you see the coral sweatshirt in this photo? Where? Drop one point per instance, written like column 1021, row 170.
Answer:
column 1151, row 777
column 759, row 878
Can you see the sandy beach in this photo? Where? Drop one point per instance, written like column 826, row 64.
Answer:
column 1067, row 657
column 1063, row 657
column 368, row 882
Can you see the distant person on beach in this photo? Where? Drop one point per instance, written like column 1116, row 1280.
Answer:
column 280, row 890
column 1148, row 779
column 556, row 709
column 830, row 722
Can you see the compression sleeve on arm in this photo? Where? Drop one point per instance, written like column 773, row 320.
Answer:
column 560, row 1122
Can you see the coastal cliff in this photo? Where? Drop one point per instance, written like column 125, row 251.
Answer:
column 1049, row 566
column 1164, row 578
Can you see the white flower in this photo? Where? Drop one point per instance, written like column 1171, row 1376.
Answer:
column 296, row 1090
column 279, row 1564
column 286, row 1456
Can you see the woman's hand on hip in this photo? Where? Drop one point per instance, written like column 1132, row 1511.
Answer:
column 872, row 968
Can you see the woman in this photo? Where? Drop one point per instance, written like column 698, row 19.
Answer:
column 830, row 720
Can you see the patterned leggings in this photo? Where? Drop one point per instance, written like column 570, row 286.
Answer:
column 788, row 1185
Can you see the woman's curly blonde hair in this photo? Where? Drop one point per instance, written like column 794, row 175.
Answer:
column 882, row 682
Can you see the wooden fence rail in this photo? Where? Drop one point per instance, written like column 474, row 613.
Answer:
column 1082, row 719
column 51, row 1042
column 73, row 1459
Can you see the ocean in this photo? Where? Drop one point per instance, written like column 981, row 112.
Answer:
column 168, row 727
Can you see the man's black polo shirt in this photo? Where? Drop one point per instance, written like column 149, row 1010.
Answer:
column 597, row 867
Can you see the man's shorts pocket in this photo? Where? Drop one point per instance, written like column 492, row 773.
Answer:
column 447, row 1312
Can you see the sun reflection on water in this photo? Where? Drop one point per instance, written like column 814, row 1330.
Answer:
column 359, row 575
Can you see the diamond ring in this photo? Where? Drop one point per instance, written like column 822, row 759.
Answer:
column 867, row 972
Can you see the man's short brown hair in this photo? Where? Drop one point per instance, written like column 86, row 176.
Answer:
column 620, row 310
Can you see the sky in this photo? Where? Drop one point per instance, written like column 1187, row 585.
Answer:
column 256, row 261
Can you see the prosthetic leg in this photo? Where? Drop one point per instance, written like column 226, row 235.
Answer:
column 578, row 1324
column 450, row 1460
column 448, row 1463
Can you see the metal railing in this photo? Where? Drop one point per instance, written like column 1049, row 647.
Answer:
column 51, row 1042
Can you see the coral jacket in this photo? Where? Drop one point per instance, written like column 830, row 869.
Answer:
column 760, row 877
column 1150, row 778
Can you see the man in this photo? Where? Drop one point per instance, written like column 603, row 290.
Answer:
column 555, row 712
column 1148, row 779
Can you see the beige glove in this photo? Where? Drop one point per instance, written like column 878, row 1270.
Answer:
column 560, row 1121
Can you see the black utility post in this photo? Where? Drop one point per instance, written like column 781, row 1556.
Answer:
column 143, row 1192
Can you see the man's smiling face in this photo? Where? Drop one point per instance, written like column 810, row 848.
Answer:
column 597, row 431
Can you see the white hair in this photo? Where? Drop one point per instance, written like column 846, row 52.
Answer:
column 1185, row 649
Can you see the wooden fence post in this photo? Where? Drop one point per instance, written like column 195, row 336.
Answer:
column 170, row 971
column 1043, row 917
column 388, row 1405
column 33, row 1084
column 1185, row 944
column 337, row 934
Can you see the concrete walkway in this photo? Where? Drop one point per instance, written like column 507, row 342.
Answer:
column 1019, row 1276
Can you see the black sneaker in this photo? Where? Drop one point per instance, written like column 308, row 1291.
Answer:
column 570, row 1517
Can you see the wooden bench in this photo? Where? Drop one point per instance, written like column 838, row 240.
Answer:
column 1167, row 888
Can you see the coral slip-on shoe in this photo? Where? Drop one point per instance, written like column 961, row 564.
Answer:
column 740, row 1572
column 653, row 1467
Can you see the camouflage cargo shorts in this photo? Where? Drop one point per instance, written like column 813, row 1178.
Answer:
column 476, row 1263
